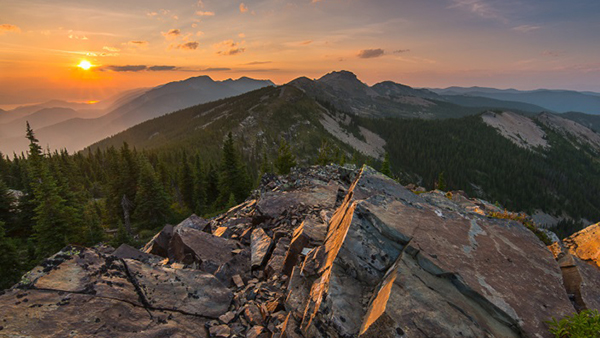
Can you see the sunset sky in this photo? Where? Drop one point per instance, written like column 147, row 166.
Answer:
column 523, row 44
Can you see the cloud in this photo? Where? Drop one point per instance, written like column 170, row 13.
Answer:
column 242, row 35
column 552, row 53
column 215, row 69
column 370, row 53
column 127, row 68
column 9, row 28
column 233, row 51
column 138, row 68
column 191, row 45
column 257, row 63
column 161, row 68
column 202, row 13
column 526, row 28
column 400, row 51
column 243, row 8
column 111, row 49
column 229, row 47
column 171, row 34
column 138, row 43
column 478, row 7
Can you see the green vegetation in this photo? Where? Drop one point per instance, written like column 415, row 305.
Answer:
column 477, row 159
column 525, row 220
column 585, row 324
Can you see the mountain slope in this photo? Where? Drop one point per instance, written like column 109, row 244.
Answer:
column 134, row 108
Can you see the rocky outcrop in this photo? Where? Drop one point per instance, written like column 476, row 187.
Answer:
column 324, row 252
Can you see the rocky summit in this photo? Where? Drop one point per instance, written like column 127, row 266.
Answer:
column 323, row 252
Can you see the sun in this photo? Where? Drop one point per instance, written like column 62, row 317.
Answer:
column 85, row 65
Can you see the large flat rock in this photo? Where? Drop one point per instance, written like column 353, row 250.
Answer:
column 189, row 291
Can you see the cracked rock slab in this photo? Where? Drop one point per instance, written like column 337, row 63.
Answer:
column 188, row 291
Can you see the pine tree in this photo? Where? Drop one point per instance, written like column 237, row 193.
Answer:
column 385, row 166
column 6, row 202
column 233, row 178
column 285, row 159
column 265, row 164
column 53, row 216
column 324, row 157
column 186, row 183
column 9, row 262
column 441, row 182
column 94, row 232
column 152, row 203
column 199, row 187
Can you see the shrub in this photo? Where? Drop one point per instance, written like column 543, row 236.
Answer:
column 579, row 325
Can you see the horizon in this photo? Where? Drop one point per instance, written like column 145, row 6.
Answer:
column 8, row 107
column 84, row 51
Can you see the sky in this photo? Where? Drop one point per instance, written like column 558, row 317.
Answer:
column 523, row 44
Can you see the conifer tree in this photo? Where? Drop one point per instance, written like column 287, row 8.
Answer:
column 233, row 178
column 152, row 203
column 385, row 166
column 186, row 183
column 53, row 217
column 285, row 158
column 6, row 202
column 9, row 262
column 199, row 187
column 441, row 182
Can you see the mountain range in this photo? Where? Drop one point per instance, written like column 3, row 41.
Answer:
column 559, row 101
column 74, row 127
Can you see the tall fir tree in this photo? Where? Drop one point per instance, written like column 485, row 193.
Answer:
column 186, row 182
column 9, row 262
column 53, row 216
column 152, row 203
column 199, row 187
column 385, row 166
column 234, row 178
column 286, row 160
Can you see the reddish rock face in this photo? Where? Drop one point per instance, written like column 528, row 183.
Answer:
column 585, row 244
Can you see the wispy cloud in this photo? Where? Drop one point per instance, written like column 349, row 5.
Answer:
column 253, row 63
column 191, row 45
column 161, row 68
column 229, row 47
column 138, row 43
column 526, row 28
column 552, row 53
column 401, row 51
column 481, row 8
column 111, row 49
column 126, row 68
column 9, row 28
column 203, row 13
column 243, row 8
column 171, row 34
column 370, row 53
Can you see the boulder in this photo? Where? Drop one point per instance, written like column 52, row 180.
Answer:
column 127, row 251
column 582, row 282
column 275, row 263
column 188, row 291
column 457, row 277
column 190, row 245
column 260, row 246
column 159, row 244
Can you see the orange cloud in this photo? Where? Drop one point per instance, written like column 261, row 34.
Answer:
column 202, row 13
column 243, row 8
column 171, row 34
column 187, row 46
column 9, row 28
column 138, row 43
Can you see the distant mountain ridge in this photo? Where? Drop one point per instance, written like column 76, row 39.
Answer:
column 130, row 109
column 560, row 101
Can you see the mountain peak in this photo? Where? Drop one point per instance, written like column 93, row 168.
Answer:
column 339, row 75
